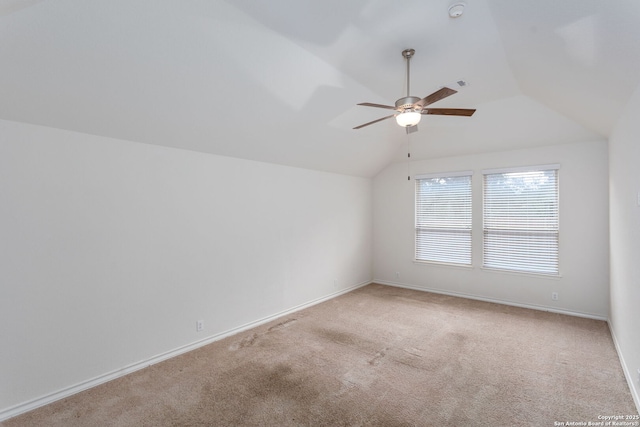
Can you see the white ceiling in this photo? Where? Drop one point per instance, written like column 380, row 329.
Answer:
column 277, row 81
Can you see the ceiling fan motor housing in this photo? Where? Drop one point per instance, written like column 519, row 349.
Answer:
column 406, row 103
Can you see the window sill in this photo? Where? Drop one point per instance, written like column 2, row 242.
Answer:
column 491, row 270
column 443, row 264
column 523, row 273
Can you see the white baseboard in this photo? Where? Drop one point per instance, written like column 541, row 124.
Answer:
column 30, row 405
column 635, row 392
column 493, row 300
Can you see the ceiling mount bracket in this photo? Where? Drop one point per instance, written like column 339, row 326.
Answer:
column 408, row 53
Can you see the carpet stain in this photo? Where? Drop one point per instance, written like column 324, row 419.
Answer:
column 281, row 325
column 378, row 356
column 455, row 339
column 413, row 352
column 250, row 340
column 281, row 380
column 245, row 342
column 338, row 337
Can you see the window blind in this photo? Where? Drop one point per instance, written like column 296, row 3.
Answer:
column 443, row 218
column 521, row 220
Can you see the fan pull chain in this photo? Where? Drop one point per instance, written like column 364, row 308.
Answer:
column 408, row 157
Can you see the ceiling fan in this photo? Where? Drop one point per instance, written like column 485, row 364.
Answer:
column 410, row 109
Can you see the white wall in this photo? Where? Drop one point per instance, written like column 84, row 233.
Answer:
column 624, row 189
column 111, row 250
column 583, row 287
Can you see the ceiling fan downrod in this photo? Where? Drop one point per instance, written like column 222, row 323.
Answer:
column 406, row 104
column 407, row 54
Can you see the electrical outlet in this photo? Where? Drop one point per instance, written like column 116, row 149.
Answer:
column 397, row 274
column 335, row 283
column 199, row 325
column 554, row 296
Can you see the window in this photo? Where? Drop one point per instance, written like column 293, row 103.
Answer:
column 521, row 221
column 443, row 218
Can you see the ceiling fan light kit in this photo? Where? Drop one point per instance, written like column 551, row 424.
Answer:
column 408, row 118
column 410, row 109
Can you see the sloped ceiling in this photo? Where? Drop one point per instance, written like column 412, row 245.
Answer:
column 279, row 81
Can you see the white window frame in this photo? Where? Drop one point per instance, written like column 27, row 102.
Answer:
column 514, row 238
column 444, row 239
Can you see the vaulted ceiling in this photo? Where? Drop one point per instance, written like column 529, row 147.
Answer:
column 278, row 81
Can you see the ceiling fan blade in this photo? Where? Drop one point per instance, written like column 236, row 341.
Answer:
column 449, row 111
column 375, row 121
column 435, row 96
column 369, row 104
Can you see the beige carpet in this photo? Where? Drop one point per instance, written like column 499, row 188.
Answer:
column 378, row 356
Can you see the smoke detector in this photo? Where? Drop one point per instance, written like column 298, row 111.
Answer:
column 456, row 10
